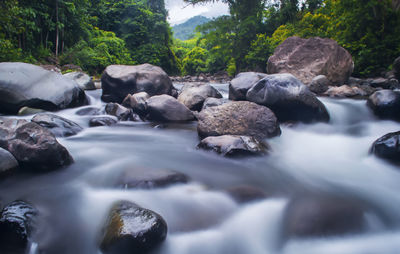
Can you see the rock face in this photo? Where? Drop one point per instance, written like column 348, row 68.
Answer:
column 396, row 68
column 166, row 108
column 319, row 84
column 288, row 98
column 137, row 102
column 7, row 162
column 212, row 102
column 239, row 86
column 122, row 113
column 317, row 216
column 194, row 95
column 118, row 81
column 146, row 178
column 232, row 146
column 34, row 147
column 59, row 126
column 102, row 121
column 388, row 147
column 83, row 80
column 308, row 58
column 17, row 223
column 29, row 85
column 238, row 118
column 385, row 104
column 131, row 229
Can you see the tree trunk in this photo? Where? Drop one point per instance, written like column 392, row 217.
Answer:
column 57, row 30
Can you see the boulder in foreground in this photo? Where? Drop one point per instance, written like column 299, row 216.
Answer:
column 388, row 147
column 59, row 126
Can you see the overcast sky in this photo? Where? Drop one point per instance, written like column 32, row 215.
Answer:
column 180, row 11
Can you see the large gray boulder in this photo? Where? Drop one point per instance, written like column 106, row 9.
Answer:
column 132, row 229
column 193, row 95
column 239, row 86
column 33, row 146
column 388, row 147
column 308, row 58
column 7, row 162
column 166, row 108
column 238, row 118
column 118, row 81
column 83, row 80
column 288, row 98
column 59, row 126
column 385, row 104
column 23, row 84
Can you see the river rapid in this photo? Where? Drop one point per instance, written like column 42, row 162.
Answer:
column 202, row 218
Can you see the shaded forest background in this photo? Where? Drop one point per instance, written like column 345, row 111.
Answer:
column 96, row 33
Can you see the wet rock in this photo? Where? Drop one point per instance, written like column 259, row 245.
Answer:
column 137, row 102
column 239, row 86
column 146, row 178
column 83, row 80
column 383, row 83
column 7, row 163
column 238, row 118
column 25, row 111
column 288, row 98
column 388, row 147
column 233, row 146
column 120, row 80
column 27, row 85
column 345, row 91
column 212, row 102
column 122, row 113
column 193, row 95
column 102, row 121
column 166, row 108
column 88, row 111
column 319, row 84
column 308, row 58
column 132, row 229
column 34, row 146
column 59, row 126
column 385, row 104
column 322, row 217
column 246, row 193
column 17, row 223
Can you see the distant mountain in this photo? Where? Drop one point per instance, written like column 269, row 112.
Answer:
column 185, row 30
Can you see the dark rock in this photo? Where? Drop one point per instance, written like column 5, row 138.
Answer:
column 396, row 68
column 166, row 108
column 59, row 126
column 239, row 86
column 233, row 146
column 319, row 84
column 29, row 85
column 238, row 118
column 34, row 146
column 354, row 81
column 7, row 163
column 288, row 98
column 83, row 80
column 131, row 229
column 345, row 91
column 146, row 178
column 88, row 111
column 174, row 93
column 385, row 104
column 120, row 80
column 102, row 121
column 388, row 147
column 322, row 216
column 17, row 223
column 137, row 102
column 308, row 58
column 212, row 102
column 122, row 113
column 246, row 193
column 193, row 95
column 384, row 83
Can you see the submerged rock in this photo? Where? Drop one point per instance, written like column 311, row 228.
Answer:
column 34, row 147
column 132, row 229
column 7, row 163
column 146, row 178
column 102, row 121
column 246, row 193
column 88, row 111
column 17, row 223
column 59, row 126
column 238, row 118
column 385, row 104
column 239, row 86
column 137, row 102
column 288, row 98
column 27, row 85
column 193, row 95
column 233, row 146
column 83, row 80
column 388, row 147
column 118, row 81
column 166, row 108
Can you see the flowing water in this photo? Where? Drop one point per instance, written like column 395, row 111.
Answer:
column 202, row 218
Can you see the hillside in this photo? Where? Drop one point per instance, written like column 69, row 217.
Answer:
column 185, row 30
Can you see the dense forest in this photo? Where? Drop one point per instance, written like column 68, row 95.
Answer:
column 96, row 33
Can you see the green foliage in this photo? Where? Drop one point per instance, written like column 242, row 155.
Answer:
column 195, row 61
